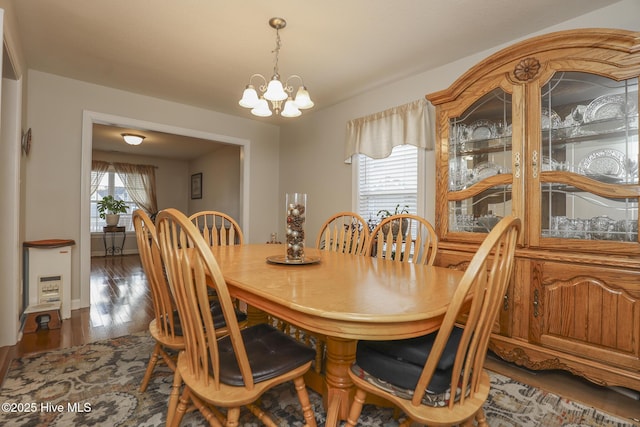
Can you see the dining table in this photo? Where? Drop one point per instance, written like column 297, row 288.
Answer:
column 343, row 297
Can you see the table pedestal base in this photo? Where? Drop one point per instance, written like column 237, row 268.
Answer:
column 341, row 353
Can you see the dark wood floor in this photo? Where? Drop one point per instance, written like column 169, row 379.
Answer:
column 121, row 304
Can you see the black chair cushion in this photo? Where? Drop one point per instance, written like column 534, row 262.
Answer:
column 216, row 313
column 270, row 352
column 218, row 317
column 400, row 362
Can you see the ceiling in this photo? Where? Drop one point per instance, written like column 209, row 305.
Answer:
column 202, row 52
column 156, row 144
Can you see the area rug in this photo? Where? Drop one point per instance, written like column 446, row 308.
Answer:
column 97, row 384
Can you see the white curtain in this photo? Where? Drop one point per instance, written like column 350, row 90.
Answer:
column 140, row 182
column 376, row 135
column 99, row 168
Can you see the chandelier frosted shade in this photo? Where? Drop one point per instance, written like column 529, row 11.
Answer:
column 249, row 97
column 291, row 109
column 275, row 91
column 261, row 109
column 278, row 94
column 303, row 100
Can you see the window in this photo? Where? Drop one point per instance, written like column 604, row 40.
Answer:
column 111, row 184
column 385, row 183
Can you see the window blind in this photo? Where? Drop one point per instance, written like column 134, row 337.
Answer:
column 385, row 183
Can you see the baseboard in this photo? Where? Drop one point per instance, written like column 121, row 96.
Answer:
column 75, row 304
column 125, row 252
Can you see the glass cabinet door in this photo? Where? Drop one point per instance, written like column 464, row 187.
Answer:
column 588, row 162
column 480, row 181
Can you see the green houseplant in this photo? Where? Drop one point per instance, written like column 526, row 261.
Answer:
column 110, row 209
column 395, row 225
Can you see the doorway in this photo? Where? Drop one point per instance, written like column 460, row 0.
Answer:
column 89, row 120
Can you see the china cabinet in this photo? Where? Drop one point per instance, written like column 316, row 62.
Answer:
column 547, row 130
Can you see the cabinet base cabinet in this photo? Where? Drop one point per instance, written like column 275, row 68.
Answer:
column 537, row 358
column 574, row 312
column 592, row 312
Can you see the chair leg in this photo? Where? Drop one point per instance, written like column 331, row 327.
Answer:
column 176, row 419
column 481, row 418
column 303, row 396
column 174, row 396
column 261, row 415
column 171, row 363
column 233, row 415
column 210, row 413
column 356, row 407
column 150, row 367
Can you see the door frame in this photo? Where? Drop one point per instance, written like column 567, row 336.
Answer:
column 89, row 118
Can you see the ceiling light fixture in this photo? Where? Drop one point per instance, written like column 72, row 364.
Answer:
column 276, row 92
column 132, row 139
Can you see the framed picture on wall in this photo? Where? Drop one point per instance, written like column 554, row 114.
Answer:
column 196, row 186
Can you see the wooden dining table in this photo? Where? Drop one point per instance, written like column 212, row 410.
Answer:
column 344, row 297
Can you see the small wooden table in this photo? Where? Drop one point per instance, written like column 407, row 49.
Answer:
column 113, row 230
column 345, row 298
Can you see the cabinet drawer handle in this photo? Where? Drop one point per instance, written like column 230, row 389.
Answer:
column 534, row 163
column 536, row 303
column 516, row 164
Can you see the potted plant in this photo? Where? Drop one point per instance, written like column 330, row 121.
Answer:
column 110, row 209
column 395, row 225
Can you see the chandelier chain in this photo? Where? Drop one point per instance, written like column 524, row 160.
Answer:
column 277, row 52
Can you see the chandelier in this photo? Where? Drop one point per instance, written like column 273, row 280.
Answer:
column 275, row 91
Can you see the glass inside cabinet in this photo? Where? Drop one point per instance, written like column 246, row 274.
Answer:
column 480, row 164
column 589, row 157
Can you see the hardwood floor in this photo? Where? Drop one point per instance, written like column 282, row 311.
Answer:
column 121, row 304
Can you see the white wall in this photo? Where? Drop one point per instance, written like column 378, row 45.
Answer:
column 312, row 146
column 221, row 177
column 54, row 168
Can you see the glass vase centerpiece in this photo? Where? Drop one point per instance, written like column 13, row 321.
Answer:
column 296, row 206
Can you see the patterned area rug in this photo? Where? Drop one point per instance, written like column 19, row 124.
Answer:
column 97, row 384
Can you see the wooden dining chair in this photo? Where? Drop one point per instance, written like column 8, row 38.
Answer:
column 217, row 228
column 165, row 327
column 344, row 232
column 229, row 372
column 439, row 379
column 404, row 238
